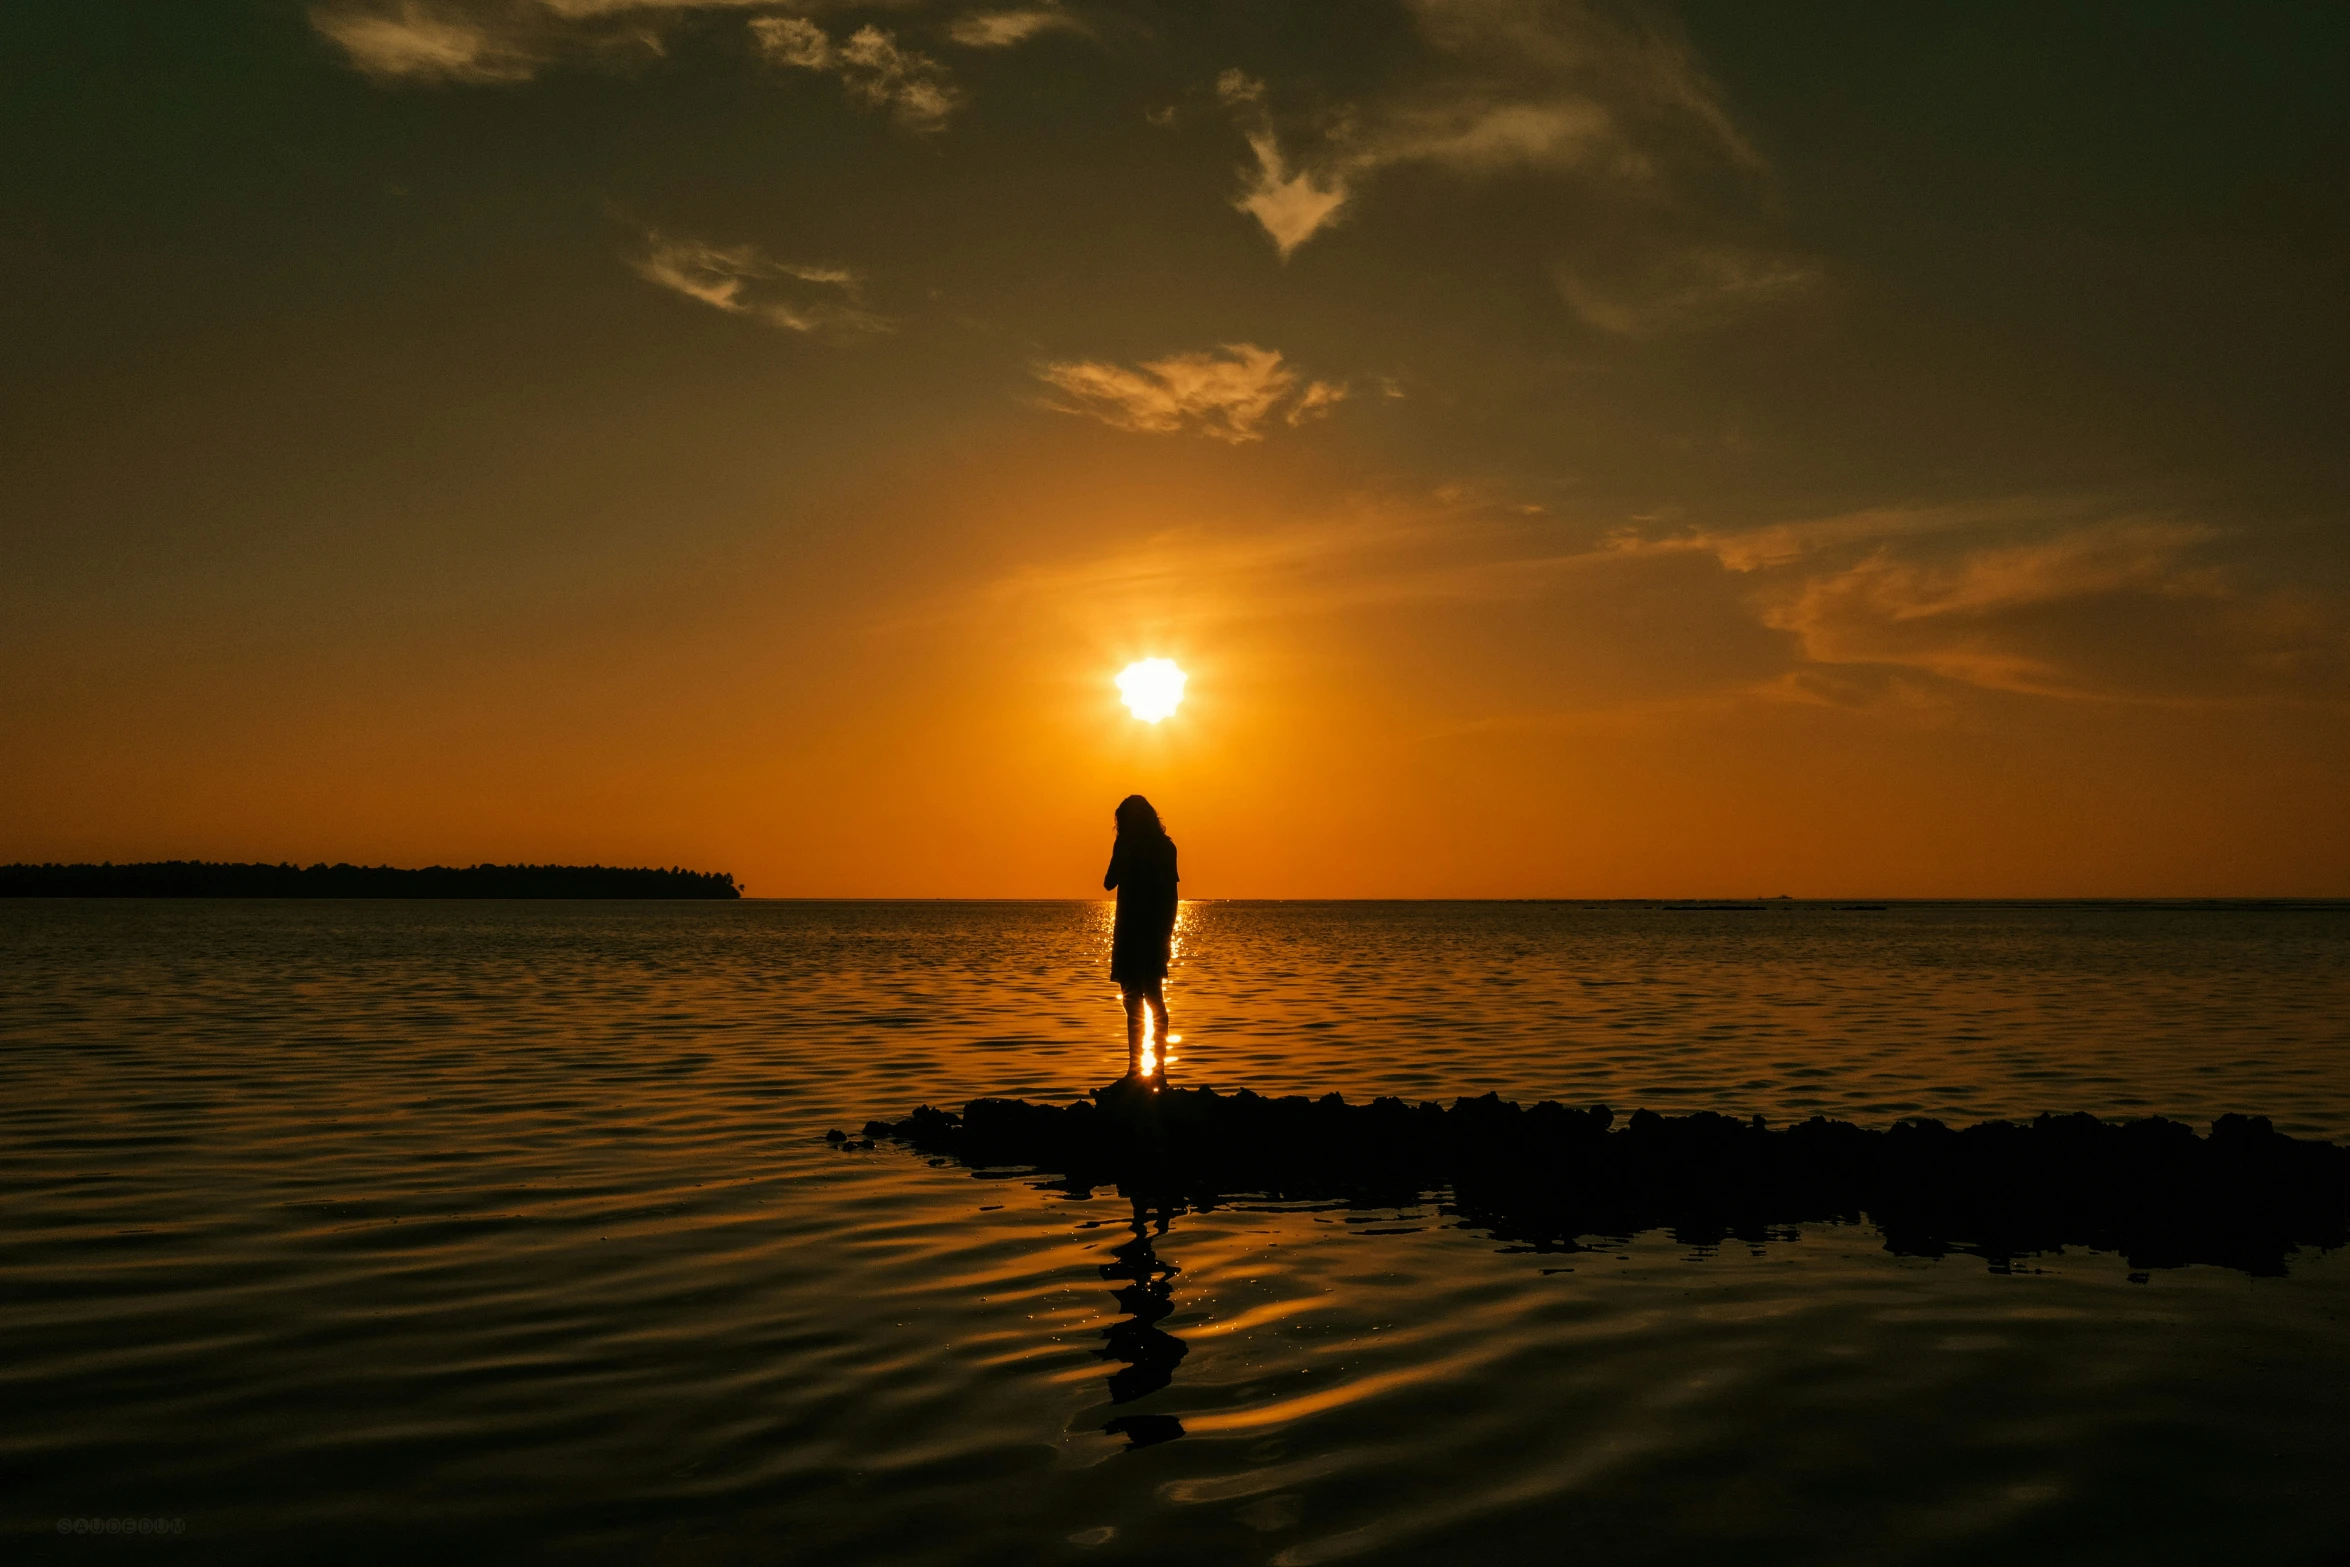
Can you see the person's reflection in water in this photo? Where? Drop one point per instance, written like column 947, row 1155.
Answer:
column 1142, row 872
column 1150, row 1353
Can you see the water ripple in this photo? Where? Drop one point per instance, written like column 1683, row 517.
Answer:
column 354, row 1231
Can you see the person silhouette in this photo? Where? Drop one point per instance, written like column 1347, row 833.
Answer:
column 1142, row 873
column 1147, row 1293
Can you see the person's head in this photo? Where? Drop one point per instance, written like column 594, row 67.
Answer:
column 1136, row 816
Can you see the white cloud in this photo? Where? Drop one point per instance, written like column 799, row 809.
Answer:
column 870, row 63
column 739, row 280
column 1228, row 393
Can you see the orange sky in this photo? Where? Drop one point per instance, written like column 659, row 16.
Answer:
column 1574, row 452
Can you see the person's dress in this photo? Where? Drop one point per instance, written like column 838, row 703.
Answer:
column 1143, row 872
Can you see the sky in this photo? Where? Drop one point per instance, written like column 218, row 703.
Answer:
column 1574, row 450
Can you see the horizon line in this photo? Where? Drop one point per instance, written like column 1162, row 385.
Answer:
column 1850, row 900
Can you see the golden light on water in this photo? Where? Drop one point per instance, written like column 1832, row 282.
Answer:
column 1152, row 688
column 1156, row 1052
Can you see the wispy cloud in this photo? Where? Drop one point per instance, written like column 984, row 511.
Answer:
column 1610, row 89
column 741, row 281
column 2010, row 616
column 1513, row 84
column 1002, row 29
column 475, row 41
column 417, row 42
column 1315, row 402
column 1291, row 205
column 2046, row 597
column 1678, row 288
column 1905, row 608
column 594, row 8
column 1227, row 393
column 413, row 41
column 1609, row 100
column 870, row 63
column 1786, row 543
column 1361, row 555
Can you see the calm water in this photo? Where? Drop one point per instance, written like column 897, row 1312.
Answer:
column 349, row 1231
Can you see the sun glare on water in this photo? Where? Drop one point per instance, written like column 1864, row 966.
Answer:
column 1152, row 688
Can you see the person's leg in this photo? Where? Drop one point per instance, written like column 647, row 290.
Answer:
column 1134, row 1032
column 1157, row 998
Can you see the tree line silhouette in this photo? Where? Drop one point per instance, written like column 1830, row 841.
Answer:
column 209, row 879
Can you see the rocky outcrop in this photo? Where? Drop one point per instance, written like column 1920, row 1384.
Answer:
column 2244, row 1196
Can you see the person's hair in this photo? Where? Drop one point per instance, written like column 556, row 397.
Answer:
column 1136, row 816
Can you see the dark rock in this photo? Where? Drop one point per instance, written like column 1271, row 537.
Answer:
column 2244, row 1197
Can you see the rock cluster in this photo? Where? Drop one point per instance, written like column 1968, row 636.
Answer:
column 2244, row 1196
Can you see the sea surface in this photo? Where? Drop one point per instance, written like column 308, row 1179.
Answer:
column 508, row 1231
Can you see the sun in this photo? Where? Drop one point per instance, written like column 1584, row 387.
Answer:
column 1152, row 688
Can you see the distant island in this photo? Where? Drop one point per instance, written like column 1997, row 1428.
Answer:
column 206, row 879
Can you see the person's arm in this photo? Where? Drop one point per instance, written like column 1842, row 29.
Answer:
column 1111, row 877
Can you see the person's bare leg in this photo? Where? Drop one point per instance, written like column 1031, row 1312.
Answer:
column 1134, row 1032
column 1157, row 999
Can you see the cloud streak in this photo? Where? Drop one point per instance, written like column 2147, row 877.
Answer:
column 1362, row 555
column 1664, row 198
column 1900, row 606
column 1508, row 85
column 415, row 42
column 1227, row 393
column 741, row 281
column 1003, row 29
column 2032, row 597
column 421, row 42
column 1679, row 288
column 2000, row 617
